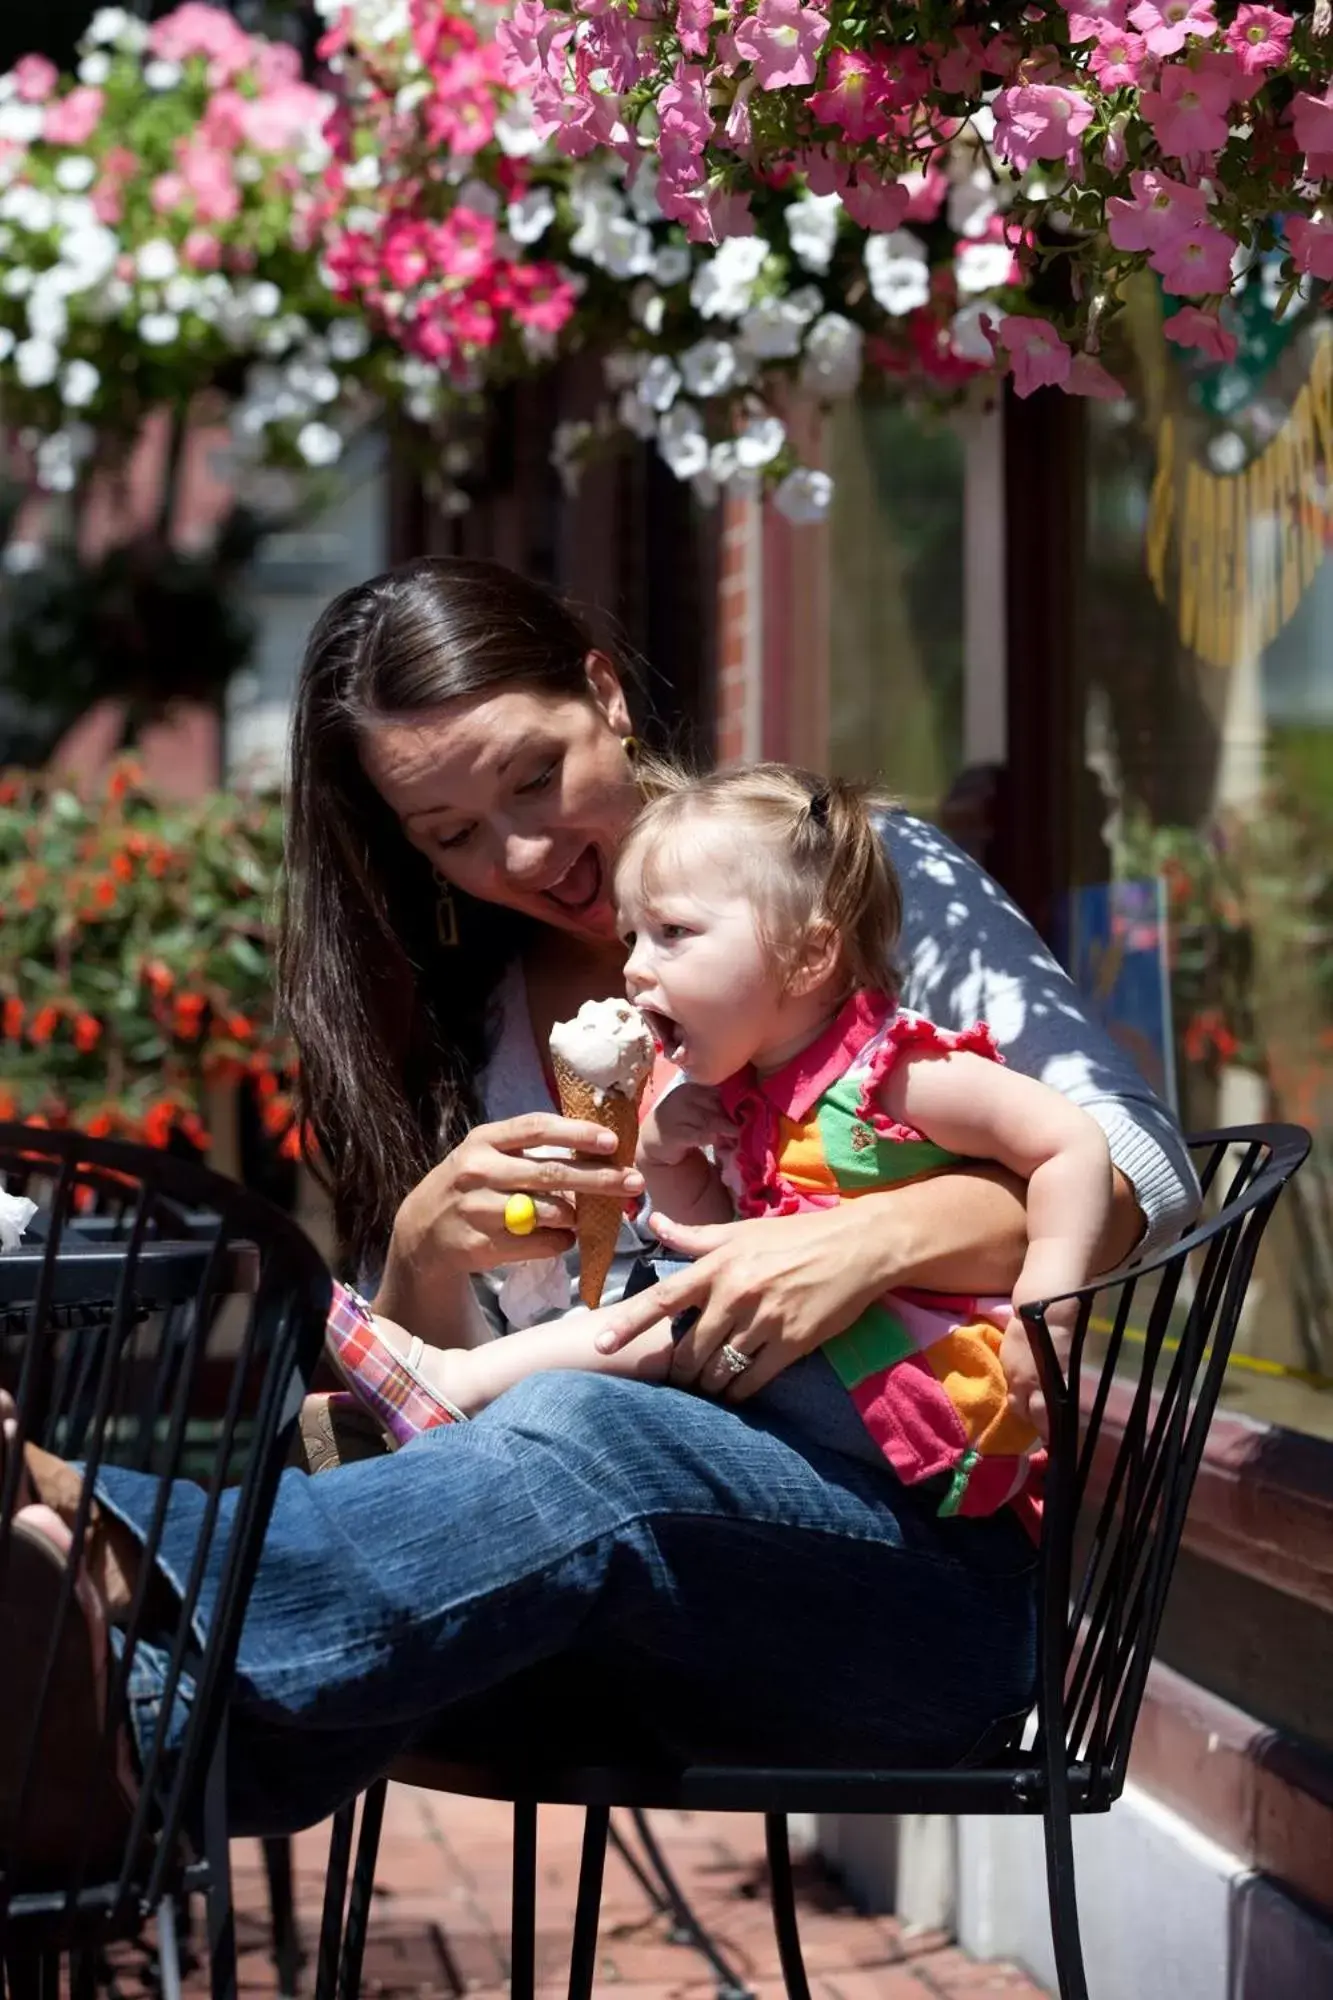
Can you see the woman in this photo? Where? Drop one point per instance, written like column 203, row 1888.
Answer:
column 463, row 771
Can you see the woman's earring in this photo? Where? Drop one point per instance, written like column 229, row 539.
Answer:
column 630, row 746
column 446, row 917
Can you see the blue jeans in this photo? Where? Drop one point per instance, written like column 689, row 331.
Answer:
column 718, row 1579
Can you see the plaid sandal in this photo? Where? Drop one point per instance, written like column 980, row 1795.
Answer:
column 386, row 1384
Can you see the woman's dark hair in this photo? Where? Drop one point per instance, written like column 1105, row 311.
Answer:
column 391, row 1026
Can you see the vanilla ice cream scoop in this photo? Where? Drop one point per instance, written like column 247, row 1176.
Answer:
column 608, row 1045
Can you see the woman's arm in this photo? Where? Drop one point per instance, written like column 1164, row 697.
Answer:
column 968, row 954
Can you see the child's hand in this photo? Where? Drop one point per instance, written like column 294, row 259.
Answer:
column 1019, row 1361
column 686, row 1120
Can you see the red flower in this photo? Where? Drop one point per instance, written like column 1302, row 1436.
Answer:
column 44, row 1024
column 189, row 1015
column 99, row 1126
column 159, row 1123
column 122, row 867
column 13, row 1018
column 87, row 1033
column 239, row 1028
column 158, row 977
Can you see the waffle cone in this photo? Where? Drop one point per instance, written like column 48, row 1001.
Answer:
column 598, row 1216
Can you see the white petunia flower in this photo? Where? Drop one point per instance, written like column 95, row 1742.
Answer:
column 31, row 208
column 759, row 442
column 626, row 248
column 971, row 204
column 181, row 293
column 516, row 133
column 636, row 416
column 659, row 383
column 88, row 257
column 723, row 286
column 319, row 444
column 159, row 329
column 161, row 74
column 643, row 201
column 804, row 496
column 36, row 363
column 772, row 330
column 481, row 198
column 683, row 442
column 898, row 272
column 95, row 68
column 832, row 363
column 116, row 28
column 263, row 298
column 8, row 342
column 363, row 174
column 21, row 123
column 671, row 265
column 968, row 337
column 648, row 308
column 349, row 339
column 531, row 215
column 48, row 315
column 79, row 384
column 980, row 267
column 16, row 284
column 21, row 558
column 156, row 261
column 710, row 367
column 812, row 229
column 76, row 173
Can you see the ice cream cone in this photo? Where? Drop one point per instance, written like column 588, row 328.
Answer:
column 598, row 1216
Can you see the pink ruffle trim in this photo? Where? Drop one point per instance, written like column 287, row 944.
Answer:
column 913, row 1034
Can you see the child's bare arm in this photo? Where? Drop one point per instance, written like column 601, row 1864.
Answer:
column 682, row 1181
column 978, row 1108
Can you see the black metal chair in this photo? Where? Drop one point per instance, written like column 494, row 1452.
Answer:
column 166, row 1320
column 1114, row 1514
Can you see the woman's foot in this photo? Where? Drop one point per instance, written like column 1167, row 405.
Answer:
column 388, row 1384
column 110, row 1552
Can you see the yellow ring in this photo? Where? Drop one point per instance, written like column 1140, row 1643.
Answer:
column 520, row 1215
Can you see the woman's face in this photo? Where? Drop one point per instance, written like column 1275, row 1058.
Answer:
column 517, row 798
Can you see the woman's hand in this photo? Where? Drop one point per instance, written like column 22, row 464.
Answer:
column 453, row 1222
column 773, row 1289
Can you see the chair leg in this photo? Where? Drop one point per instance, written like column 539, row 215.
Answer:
column 168, row 1951
column 335, row 1894
column 219, row 1908
column 523, row 1916
column 363, row 1890
column 282, row 1911
column 588, row 1909
column 1063, row 1891
column 783, row 1893
column 686, row 1926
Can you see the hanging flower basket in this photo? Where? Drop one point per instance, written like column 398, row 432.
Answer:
column 1182, row 135
column 484, row 239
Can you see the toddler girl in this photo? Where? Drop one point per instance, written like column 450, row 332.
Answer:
column 761, row 914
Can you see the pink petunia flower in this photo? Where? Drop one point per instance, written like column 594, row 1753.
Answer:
column 782, row 40
column 926, row 192
column 1039, row 121
column 35, row 78
column 1088, row 17
column 1119, row 59
column 1259, row 38
column 1161, row 211
column 1087, row 377
column 1192, row 328
column 853, row 97
column 694, row 19
column 1312, row 121
column 683, row 105
column 525, row 40
column 1188, row 111
column 72, row 120
column 958, row 71
column 197, row 29
column 201, row 250
column 168, row 192
column 1311, row 245
column 1166, row 25
column 874, row 203
column 282, row 119
column 1197, row 263
column 211, row 178
column 1037, row 354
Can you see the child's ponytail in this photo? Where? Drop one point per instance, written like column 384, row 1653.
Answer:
column 860, row 897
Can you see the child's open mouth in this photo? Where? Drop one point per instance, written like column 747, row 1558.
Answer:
column 666, row 1033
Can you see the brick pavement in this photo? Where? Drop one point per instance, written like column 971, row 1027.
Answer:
column 440, row 1919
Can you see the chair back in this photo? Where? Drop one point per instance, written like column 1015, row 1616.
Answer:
column 1129, row 1416
column 159, row 1318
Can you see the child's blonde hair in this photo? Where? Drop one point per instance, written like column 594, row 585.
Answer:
column 818, row 860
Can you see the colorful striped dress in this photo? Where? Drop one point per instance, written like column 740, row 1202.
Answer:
column 921, row 1368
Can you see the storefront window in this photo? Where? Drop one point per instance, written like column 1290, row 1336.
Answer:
column 896, row 602
column 1205, row 690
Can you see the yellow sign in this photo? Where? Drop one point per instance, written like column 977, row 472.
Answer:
column 1250, row 543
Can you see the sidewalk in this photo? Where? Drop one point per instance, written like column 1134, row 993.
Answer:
column 440, row 1922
